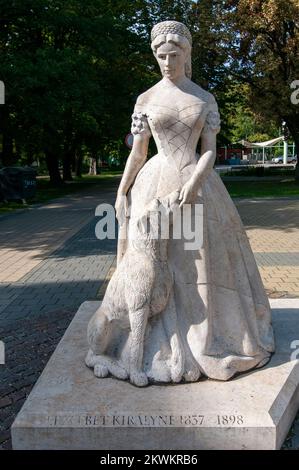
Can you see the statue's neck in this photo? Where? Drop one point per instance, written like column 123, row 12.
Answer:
column 179, row 82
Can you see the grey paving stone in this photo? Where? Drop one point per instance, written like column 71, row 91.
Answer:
column 277, row 259
column 61, row 281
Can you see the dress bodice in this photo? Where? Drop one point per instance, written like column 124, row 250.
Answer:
column 176, row 131
column 176, row 118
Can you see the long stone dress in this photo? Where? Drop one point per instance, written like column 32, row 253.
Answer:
column 223, row 314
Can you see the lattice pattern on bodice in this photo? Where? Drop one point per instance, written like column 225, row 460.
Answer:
column 177, row 134
column 176, row 131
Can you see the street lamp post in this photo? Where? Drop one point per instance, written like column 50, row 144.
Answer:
column 285, row 142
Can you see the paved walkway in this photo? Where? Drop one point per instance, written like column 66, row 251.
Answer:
column 29, row 237
column 50, row 262
column 272, row 226
column 50, row 258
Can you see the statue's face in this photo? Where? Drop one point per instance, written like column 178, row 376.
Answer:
column 171, row 59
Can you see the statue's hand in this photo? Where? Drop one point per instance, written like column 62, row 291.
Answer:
column 121, row 208
column 188, row 193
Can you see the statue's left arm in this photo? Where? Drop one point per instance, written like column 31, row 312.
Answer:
column 208, row 155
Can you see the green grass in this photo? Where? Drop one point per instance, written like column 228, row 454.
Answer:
column 46, row 192
column 262, row 188
column 288, row 172
column 5, row 208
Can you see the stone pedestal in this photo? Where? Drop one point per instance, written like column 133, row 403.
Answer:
column 71, row 409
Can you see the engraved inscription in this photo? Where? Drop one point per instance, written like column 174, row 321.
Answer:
column 193, row 420
column 229, row 420
column 196, row 420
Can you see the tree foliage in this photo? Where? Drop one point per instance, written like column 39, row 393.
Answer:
column 265, row 54
column 73, row 70
column 70, row 69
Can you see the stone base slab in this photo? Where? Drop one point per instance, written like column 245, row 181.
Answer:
column 69, row 408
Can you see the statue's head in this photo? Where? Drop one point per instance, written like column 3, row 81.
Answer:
column 171, row 45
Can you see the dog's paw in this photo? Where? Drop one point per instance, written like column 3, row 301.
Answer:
column 138, row 378
column 118, row 371
column 192, row 374
column 100, row 370
column 89, row 359
column 176, row 373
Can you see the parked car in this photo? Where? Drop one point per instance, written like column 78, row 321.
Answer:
column 290, row 159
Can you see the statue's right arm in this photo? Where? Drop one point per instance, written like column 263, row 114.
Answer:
column 134, row 163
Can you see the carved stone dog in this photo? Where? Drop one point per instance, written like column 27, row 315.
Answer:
column 140, row 287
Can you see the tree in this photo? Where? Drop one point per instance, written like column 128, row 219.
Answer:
column 240, row 121
column 70, row 71
column 265, row 54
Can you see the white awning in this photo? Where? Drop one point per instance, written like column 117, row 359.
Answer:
column 268, row 143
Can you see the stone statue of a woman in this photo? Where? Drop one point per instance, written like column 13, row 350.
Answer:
column 187, row 313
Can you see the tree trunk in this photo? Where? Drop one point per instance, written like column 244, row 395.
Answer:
column 93, row 166
column 297, row 167
column 7, row 156
column 297, row 153
column 99, row 165
column 293, row 126
column 67, row 167
column 7, row 151
column 79, row 161
column 53, row 168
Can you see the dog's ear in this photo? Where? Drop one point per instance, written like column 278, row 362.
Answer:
column 142, row 224
column 153, row 205
column 170, row 201
column 154, row 220
column 173, row 199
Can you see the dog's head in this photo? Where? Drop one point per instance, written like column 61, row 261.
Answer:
column 153, row 227
column 149, row 223
column 170, row 204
